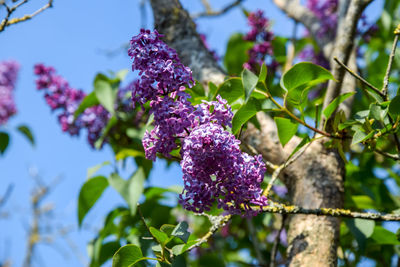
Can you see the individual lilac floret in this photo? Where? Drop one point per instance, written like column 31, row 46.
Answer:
column 219, row 112
column 214, row 168
column 172, row 119
column 8, row 77
column 262, row 36
column 60, row 96
column 160, row 69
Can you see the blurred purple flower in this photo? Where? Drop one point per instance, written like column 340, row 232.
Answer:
column 8, row 77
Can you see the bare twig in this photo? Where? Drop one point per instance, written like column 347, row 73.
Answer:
column 7, row 21
column 390, row 63
column 361, row 79
column 212, row 13
column 386, row 154
column 276, row 242
column 277, row 171
column 6, row 195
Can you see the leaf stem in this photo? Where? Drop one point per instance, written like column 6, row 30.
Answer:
column 290, row 114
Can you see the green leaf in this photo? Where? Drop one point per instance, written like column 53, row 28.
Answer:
column 360, row 136
column 25, row 131
column 246, row 112
column 304, row 74
column 89, row 101
column 363, row 202
column 286, row 129
column 127, row 256
column 107, row 251
column 131, row 189
column 366, row 227
column 161, row 237
column 249, row 81
column 92, row 170
column 231, row 90
column 212, row 89
column 121, row 75
column 394, row 106
column 377, row 112
column 181, row 248
column 90, row 192
column 181, row 231
column 335, row 103
column 127, row 152
column 263, row 73
column 105, row 94
column 384, row 237
column 236, row 54
column 167, row 228
column 4, row 141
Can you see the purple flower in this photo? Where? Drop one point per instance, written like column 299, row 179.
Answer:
column 214, row 168
column 60, row 96
column 262, row 37
column 325, row 11
column 172, row 118
column 8, row 77
column 160, row 69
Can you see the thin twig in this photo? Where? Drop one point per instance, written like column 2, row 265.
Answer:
column 361, row 79
column 254, row 241
column 390, row 63
column 280, row 208
column 386, row 154
column 211, row 13
column 276, row 242
column 7, row 21
column 278, row 170
column 218, row 222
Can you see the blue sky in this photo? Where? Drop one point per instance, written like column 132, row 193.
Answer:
column 73, row 37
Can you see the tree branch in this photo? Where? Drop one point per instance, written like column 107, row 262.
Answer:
column 214, row 13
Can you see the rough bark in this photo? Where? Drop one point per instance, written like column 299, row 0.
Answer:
column 314, row 180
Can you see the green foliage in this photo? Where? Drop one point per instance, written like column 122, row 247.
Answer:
column 90, row 192
column 127, row 256
column 4, row 141
column 26, row 132
column 286, row 129
column 131, row 189
column 236, row 54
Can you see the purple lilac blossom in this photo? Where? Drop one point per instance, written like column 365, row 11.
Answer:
column 60, row 96
column 262, row 38
column 160, row 69
column 325, row 11
column 8, row 77
column 214, row 168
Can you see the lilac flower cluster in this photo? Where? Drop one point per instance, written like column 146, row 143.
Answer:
column 325, row 11
column 8, row 78
column 262, row 37
column 61, row 96
column 213, row 166
column 159, row 67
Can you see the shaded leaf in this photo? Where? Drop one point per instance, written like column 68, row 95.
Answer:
column 23, row 129
column 181, row 231
column 4, row 141
column 394, row 106
column 231, row 90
